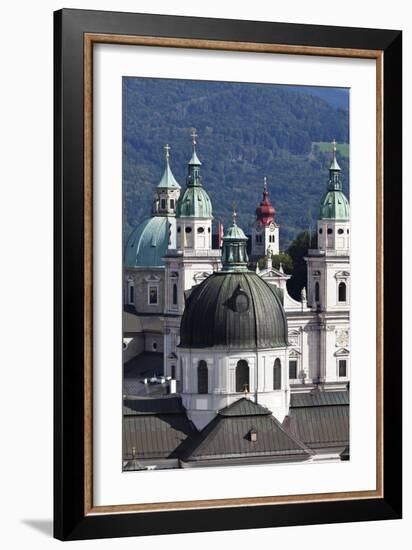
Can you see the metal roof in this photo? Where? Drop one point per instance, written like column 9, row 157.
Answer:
column 148, row 243
column 144, row 365
column 194, row 203
column 168, row 180
column 319, row 426
column 334, row 206
column 319, row 398
column 154, row 435
column 212, row 319
column 244, row 407
column 228, row 436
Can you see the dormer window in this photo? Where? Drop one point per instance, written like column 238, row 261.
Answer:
column 253, row 435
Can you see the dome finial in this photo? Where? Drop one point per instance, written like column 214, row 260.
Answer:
column 194, row 161
column 334, row 164
column 265, row 184
column 234, row 213
column 167, row 149
column 194, row 136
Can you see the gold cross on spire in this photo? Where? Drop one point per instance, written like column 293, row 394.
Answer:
column 194, row 136
column 234, row 213
column 334, row 145
column 167, row 149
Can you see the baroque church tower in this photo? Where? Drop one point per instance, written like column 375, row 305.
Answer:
column 328, row 274
column 191, row 260
column 265, row 231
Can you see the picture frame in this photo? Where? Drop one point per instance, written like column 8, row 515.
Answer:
column 76, row 33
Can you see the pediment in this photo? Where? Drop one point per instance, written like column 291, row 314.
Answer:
column 152, row 278
column 341, row 352
column 342, row 274
column 272, row 274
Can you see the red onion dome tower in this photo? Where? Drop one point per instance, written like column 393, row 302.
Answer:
column 265, row 213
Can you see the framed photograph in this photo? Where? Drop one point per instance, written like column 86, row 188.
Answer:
column 227, row 274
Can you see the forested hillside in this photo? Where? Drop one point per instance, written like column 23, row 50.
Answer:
column 246, row 132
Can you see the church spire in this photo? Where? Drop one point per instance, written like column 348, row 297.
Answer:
column 234, row 255
column 334, row 204
column 265, row 213
column 168, row 180
column 193, row 178
column 335, row 181
column 194, row 161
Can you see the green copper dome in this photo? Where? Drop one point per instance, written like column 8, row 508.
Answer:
column 234, row 255
column 334, row 204
column 148, row 243
column 234, row 310
column 194, row 202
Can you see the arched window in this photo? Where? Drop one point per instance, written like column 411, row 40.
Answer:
column 277, row 375
column 202, row 377
column 316, row 292
column 242, row 376
column 342, row 292
column 131, row 293
column 174, row 294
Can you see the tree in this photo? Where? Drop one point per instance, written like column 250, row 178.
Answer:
column 297, row 251
column 277, row 259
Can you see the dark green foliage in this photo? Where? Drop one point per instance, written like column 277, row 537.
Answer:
column 246, row 132
column 277, row 259
column 297, row 251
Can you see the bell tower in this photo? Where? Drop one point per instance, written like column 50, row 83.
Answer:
column 328, row 274
column 265, row 231
column 328, row 264
column 191, row 259
column 167, row 191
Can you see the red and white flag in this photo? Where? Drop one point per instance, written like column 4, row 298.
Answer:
column 220, row 235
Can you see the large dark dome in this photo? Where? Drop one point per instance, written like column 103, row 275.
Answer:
column 234, row 310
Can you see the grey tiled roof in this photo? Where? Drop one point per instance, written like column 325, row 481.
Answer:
column 154, row 435
column 144, row 365
column 319, row 426
column 319, row 398
column 228, row 436
column 244, row 407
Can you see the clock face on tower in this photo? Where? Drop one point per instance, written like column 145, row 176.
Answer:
column 271, row 228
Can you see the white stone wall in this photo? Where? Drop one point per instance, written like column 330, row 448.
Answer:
column 222, row 381
column 333, row 234
column 198, row 233
column 259, row 249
